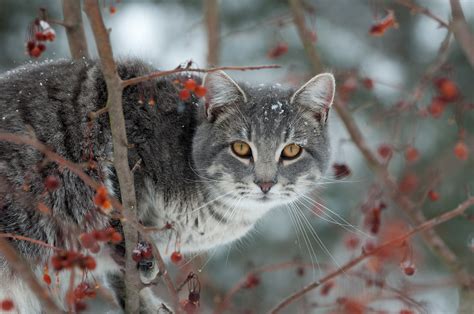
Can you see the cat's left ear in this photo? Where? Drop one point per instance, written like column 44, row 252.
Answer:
column 222, row 91
column 317, row 95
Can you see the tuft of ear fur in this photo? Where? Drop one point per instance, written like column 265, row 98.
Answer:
column 317, row 94
column 221, row 91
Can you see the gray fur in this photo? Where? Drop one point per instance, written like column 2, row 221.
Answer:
column 188, row 174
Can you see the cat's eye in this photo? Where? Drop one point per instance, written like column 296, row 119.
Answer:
column 291, row 151
column 241, row 149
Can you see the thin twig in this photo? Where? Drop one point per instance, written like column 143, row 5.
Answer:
column 157, row 74
column 430, row 224
column 415, row 8
column 23, row 238
column 23, row 270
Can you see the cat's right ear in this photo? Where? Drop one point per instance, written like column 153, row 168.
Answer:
column 221, row 92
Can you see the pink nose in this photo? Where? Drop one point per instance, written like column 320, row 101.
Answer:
column 265, row 186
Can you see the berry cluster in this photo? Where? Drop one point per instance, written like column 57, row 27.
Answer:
column 91, row 240
column 39, row 32
column 190, row 86
column 278, row 50
column 191, row 304
column 447, row 92
column 102, row 199
column 69, row 259
column 82, row 291
column 142, row 251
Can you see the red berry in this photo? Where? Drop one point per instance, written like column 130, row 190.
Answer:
column 447, row 89
column 200, row 91
column 51, row 183
column 190, row 85
column 461, row 151
column 341, row 170
column 327, row 288
column 279, row 50
column 89, row 263
column 50, row 35
column 30, row 45
column 87, row 240
column 95, row 248
column 436, row 107
column 412, row 154
column 47, row 279
column 42, row 47
column 35, row 52
column 137, row 255
column 368, row 83
column 252, row 281
column 112, row 9
column 184, row 94
column 116, row 238
column 404, row 311
column 434, row 196
column 385, row 151
column 409, row 270
column 176, row 257
column 40, row 36
column 7, row 305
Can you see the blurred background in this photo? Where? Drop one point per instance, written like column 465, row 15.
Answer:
column 380, row 72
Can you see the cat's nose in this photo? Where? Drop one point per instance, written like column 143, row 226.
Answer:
column 265, row 186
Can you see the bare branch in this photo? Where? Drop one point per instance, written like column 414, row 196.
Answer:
column 299, row 19
column 211, row 17
column 23, row 270
column 430, row 237
column 158, row 74
column 427, row 225
column 76, row 36
column 120, row 147
column 415, row 8
column 461, row 31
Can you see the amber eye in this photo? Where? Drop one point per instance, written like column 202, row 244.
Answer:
column 291, row 151
column 241, row 149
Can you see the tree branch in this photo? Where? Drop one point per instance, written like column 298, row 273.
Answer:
column 425, row 11
column 77, row 170
column 211, row 16
column 120, row 150
column 299, row 19
column 461, row 31
column 74, row 29
column 23, row 270
column 430, row 237
column 157, row 74
column 427, row 225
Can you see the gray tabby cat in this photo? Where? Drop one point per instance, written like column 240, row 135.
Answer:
column 211, row 168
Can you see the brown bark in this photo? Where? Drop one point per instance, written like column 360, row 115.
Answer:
column 211, row 17
column 76, row 36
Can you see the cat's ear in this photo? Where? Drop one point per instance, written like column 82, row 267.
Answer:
column 221, row 92
column 317, row 94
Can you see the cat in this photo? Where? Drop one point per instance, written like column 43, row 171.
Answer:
column 210, row 167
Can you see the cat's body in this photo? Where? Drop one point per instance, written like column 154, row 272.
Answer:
column 186, row 172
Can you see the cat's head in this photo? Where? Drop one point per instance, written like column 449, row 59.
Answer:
column 258, row 147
